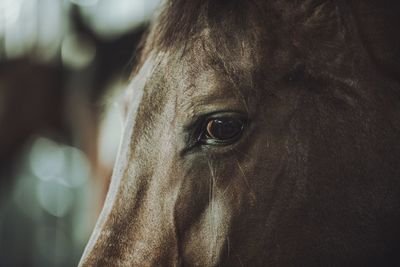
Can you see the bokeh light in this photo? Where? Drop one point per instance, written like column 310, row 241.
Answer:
column 63, row 66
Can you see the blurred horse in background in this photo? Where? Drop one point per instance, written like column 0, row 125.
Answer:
column 259, row 133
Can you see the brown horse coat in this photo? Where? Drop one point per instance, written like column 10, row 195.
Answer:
column 313, row 177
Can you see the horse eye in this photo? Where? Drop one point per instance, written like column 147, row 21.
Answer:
column 223, row 130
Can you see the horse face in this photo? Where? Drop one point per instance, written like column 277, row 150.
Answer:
column 255, row 158
column 184, row 173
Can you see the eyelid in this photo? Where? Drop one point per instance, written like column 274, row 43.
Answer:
column 205, row 117
column 221, row 114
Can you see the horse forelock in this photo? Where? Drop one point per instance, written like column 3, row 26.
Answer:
column 334, row 24
column 225, row 29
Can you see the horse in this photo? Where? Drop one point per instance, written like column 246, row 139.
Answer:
column 259, row 133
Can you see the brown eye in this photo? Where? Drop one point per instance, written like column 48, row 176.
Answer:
column 223, row 130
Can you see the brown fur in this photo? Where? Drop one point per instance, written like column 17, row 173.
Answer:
column 314, row 180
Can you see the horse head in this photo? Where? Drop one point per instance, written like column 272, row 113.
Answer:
column 258, row 133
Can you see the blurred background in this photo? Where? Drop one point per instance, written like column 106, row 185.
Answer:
column 63, row 64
